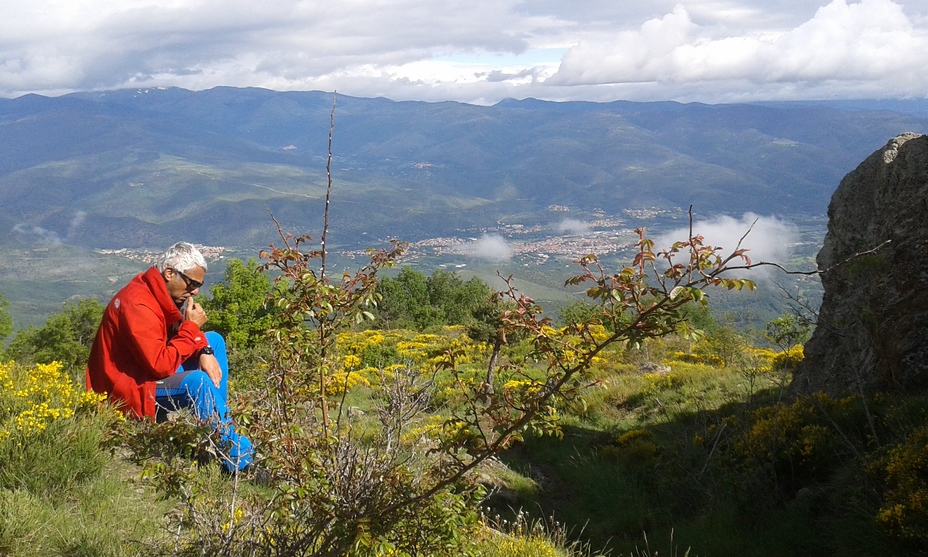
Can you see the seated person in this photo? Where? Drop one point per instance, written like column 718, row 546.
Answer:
column 149, row 351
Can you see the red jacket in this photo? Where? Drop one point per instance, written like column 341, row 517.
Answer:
column 134, row 348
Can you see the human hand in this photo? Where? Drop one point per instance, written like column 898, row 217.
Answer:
column 210, row 365
column 195, row 313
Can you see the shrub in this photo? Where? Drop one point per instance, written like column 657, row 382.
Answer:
column 61, row 490
column 791, row 445
column 238, row 307
column 51, row 429
column 904, row 511
column 787, row 360
column 65, row 338
column 635, row 446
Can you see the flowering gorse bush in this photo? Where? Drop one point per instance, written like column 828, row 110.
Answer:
column 788, row 359
column 904, row 510
column 33, row 397
column 786, row 445
column 522, row 536
column 53, row 433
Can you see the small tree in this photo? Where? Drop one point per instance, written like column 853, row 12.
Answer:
column 788, row 330
column 413, row 300
column 488, row 326
column 405, row 301
column 238, row 307
column 66, row 337
column 726, row 344
column 576, row 312
column 458, row 299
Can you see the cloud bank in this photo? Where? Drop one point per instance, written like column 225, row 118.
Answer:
column 572, row 226
column 490, row 247
column 768, row 239
column 477, row 51
column 852, row 43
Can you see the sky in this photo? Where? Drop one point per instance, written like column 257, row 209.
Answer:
column 474, row 51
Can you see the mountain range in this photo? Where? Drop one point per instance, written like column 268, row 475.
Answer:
column 140, row 168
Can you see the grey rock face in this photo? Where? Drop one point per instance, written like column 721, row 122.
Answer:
column 873, row 324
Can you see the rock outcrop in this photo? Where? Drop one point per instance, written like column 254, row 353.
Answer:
column 872, row 332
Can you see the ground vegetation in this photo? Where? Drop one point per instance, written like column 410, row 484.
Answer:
column 691, row 455
column 631, row 422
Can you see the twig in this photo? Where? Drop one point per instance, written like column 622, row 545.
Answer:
column 323, row 345
column 328, row 190
column 809, row 273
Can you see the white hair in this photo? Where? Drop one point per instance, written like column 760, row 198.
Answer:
column 182, row 256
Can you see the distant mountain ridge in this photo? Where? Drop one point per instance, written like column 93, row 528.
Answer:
column 132, row 168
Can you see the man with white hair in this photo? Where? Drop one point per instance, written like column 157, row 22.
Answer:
column 150, row 352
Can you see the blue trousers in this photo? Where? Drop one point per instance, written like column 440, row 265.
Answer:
column 191, row 387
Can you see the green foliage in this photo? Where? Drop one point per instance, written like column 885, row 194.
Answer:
column 6, row 322
column 61, row 491
column 171, row 447
column 699, row 316
column 904, row 510
column 575, row 313
column 405, row 302
column 788, row 330
column 723, row 343
column 238, row 308
column 412, row 300
column 66, row 337
column 379, row 356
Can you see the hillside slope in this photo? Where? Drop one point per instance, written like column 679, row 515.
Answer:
column 129, row 168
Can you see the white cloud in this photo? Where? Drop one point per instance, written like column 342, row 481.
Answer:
column 473, row 50
column 490, row 247
column 768, row 239
column 37, row 234
column 76, row 222
column 841, row 42
column 573, row 226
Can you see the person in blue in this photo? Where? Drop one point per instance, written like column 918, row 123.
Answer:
column 191, row 387
column 151, row 356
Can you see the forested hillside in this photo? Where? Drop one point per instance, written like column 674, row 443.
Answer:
column 126, row 168
column 83, row 176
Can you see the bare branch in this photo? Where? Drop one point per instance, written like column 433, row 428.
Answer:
column 809, row 273
column 328, row 190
